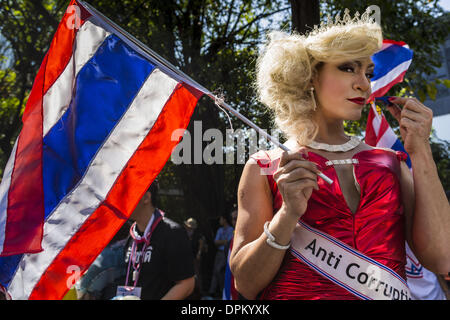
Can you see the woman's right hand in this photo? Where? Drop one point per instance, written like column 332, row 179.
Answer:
column 296, row 178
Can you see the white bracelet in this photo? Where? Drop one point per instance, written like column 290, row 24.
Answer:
column 271, row 239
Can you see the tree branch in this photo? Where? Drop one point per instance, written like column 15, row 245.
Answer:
column 37, row 5
column 230, row 11
column 219, row 43
column 257, row 18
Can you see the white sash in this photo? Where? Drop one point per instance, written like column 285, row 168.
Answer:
column 347, row 267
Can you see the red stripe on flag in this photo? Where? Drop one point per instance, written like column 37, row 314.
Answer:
column 25, row 212
column 58, row 55
column 400, row 43
column 384, row 126
column 371, row 137
column 103, row 224
column 383, row 90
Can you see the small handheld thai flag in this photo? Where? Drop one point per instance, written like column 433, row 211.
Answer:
column 391, row 64
column 96, row 132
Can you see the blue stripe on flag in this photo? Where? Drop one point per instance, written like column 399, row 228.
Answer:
column 398, row 146
column 105, row 88
column 8, row 266
column 389, row 58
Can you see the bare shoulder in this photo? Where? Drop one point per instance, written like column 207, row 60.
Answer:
column 254, row 203
column 253, row 179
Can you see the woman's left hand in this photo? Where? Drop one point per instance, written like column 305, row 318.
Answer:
column 415, row 121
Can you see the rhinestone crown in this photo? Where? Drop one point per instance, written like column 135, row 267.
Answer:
column 346, row 19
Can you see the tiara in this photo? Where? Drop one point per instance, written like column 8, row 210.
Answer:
column 346, row 19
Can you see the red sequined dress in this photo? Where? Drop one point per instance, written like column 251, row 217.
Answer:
column 375, row 229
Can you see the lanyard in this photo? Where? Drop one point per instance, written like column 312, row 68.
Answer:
column 135, row 260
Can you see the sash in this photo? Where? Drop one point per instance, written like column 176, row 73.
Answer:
column 347, row 267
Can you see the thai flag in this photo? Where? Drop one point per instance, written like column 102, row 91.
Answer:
column 96, row 132
column 391, row 63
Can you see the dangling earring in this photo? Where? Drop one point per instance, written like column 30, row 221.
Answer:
column 311, row 90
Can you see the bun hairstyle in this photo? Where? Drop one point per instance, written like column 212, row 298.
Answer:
column 289, row 62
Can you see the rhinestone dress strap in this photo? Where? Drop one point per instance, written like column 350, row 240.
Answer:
column 342, row 161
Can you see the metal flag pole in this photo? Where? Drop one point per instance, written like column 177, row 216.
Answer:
column 173, row 71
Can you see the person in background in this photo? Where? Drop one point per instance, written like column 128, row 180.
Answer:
column 223, row 237
column 159, row 259
column 198, row 245
column 229, row 290
column 424, row 284
column 107, row 268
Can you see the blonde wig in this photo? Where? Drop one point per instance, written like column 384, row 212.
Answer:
column 288, row 63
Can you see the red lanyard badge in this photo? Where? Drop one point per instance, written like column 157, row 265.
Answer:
column 135, row 260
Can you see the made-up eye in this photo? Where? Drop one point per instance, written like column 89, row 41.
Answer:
column 346, row 68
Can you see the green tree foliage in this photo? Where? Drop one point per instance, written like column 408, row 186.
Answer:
column 441, row 155
column 26, row 29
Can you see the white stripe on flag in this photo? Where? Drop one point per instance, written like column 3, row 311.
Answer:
column 4, row 191
column 389, row 77
column 107, row 165
column 388, row 139
column 385, row 46
column 58, row 97
column 376, row 121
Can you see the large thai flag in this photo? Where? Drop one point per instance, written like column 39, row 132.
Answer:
column 391, row 63
column 96, row 132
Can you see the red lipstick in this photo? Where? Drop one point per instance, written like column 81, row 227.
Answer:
column 359, row 100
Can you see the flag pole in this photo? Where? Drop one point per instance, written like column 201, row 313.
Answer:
column 179, row 75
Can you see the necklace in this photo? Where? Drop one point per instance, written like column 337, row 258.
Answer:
column 349, row 145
